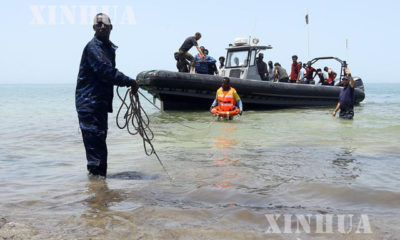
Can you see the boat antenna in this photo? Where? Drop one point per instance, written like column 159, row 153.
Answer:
column 308, row 34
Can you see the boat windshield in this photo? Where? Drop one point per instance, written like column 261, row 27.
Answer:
column 237, row 59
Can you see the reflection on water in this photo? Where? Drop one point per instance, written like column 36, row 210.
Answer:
column 228, row 174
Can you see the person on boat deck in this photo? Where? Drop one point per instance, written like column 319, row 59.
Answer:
column 270, row 71
column 262, row 67
column 346, row 97
column 221, row 61
column 181, row 64
column 322, row 78
column 302, row 78
column 227, row 97
column 310, row 73
column 331, row 75
column 212, row 66
column 94, row 93
column 295, row 73
column 280, row 74
column 203, row 64
column 186, row 46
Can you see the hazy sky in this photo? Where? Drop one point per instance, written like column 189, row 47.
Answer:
column 38, row 48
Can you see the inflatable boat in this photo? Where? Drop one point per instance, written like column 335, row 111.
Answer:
column 184, row 91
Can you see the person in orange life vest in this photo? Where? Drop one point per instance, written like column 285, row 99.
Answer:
column 295, row 73
column 331, row 75
column 227, row 97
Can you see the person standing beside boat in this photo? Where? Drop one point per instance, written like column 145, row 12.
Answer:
column 227, row 98
column 295, row 73
column 346, row 97
column 95, row 91
column 280, row 73
column 186, row 46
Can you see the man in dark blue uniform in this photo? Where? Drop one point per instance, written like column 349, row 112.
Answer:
column 346, row 97
column 95, row 91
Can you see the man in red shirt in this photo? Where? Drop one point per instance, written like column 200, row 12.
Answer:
column 295, row 73
column 310, row 73
column 331, row 75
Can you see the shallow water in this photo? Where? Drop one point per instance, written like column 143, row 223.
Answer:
column 227, row 175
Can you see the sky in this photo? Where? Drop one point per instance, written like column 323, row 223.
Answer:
column 43, row 40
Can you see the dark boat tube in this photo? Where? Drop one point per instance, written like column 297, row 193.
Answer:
column 178, row 91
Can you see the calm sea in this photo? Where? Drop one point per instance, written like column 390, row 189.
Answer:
column 227, row 175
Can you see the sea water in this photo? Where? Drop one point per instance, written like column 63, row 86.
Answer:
column 228, row 175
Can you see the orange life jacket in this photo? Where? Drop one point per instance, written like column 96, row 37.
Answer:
column 226, row 101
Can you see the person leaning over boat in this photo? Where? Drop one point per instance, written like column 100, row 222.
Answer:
column 186, row 46
column 346, row 97
column 227, row 97
column 294, row 74
column 94, row 93
column 280, row 74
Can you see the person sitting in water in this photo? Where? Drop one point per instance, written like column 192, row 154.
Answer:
column 203, row 63
column 227, row 97
column 331, row 76
column 346, row 97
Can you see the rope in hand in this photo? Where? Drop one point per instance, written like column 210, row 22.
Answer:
column 136, row 121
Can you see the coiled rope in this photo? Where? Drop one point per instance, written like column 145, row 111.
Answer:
column 136, row 121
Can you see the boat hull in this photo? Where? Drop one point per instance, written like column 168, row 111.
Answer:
column 183, row 91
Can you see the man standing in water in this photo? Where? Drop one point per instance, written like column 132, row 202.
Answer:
column 346, row 98
column 94, row 93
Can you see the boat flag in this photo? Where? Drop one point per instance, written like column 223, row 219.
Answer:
column 307, row 18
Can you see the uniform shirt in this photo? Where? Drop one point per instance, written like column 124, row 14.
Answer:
column 188, row 44
column 97, row 77
column 346, row 98
column 203, row 64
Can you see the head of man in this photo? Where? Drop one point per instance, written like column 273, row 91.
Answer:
column 294, row 58
column 260, row 56
column 221, row 60
column 270, row 63
column 205, row 51
column 102, row 26
column 309, row 64
column 345, row 81
column 225, row 84
column 202, row 48
column 277, row 64
column 197, row 36
column 304, row 65
column 326, row 69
